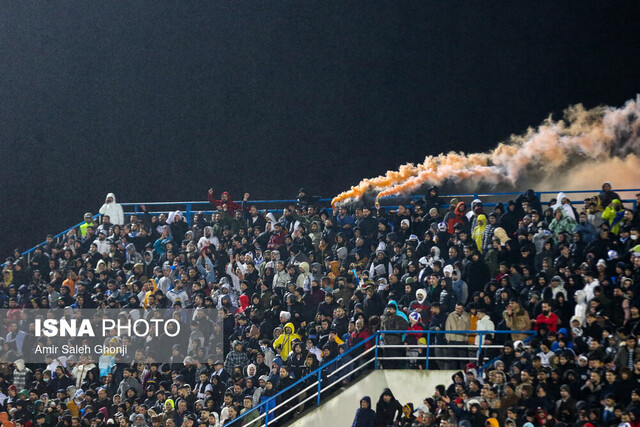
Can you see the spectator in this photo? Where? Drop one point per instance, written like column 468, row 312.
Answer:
column 113, row 210
column 365, row 416
column 342, row 289
column 388, row 409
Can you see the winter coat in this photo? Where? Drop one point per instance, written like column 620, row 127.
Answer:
column 284, row 341
column 518, row 321
column 614, row 217
column 457, row 323
column 365, row 417
column 386, row 412
column 114, row 210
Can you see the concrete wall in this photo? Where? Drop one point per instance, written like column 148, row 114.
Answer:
column 407, row 386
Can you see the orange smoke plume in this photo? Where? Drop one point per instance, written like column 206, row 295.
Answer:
column 563, row 150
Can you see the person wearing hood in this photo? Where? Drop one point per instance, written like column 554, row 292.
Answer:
column 529, row 197
column 365, row 416
column 236, row 357
column 113, row 210
column 432, row 199
column 478, row 232
column 562, row 223
column 407, row 418
column 225, row 201
column 580, row 310
column 563, row 202
column 388, row 409
column 76, row 404
column 459, row 286
column 208, row 239
column 22, row 376
column 614, row 214
column 458, row 216
column 284, row 342
column 421, row 305
column 607, row 195
column 304, row 278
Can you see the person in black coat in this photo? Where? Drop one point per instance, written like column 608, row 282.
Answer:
column 388, row 409
column 365, row 416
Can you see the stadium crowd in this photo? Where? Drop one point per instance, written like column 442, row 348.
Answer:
column 296, row 289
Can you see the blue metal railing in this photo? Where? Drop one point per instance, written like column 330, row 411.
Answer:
column 268, row 409
column 189, row 206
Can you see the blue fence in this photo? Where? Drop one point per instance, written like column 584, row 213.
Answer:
column 270, row 412
column 191, row 208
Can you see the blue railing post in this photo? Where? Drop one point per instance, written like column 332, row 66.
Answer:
column 375, row 364
column 189, row 214
column 426, row 366
column 266, row 415
column 319, row 386
column 480, row 340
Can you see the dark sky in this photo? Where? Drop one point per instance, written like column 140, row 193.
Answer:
column 161, row 100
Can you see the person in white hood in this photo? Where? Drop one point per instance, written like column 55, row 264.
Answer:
column 562, row 201
column 113, row 209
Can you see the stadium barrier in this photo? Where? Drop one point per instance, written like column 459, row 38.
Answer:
column 317, row 382
column 189, row 207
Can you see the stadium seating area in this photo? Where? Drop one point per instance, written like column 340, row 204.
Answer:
column 294, row 289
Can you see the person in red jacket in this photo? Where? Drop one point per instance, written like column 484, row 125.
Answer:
column 547, row 318
column 456, row 217
column 225, row 199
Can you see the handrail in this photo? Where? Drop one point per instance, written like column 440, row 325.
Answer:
column 57, row 236
column 268, row 412
column 492, row 361
column 189, row 212
column 301, row 380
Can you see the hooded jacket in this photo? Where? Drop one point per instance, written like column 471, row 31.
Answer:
column 478, row 231
column 285, row 341
column 387, row 412
column 613, row 216
column 568, row 210
column 365, row 417
column 455, row 217
column 565, row 224
column 303, row 280
column 114, row 210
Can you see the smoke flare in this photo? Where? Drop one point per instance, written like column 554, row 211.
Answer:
column 559, row 154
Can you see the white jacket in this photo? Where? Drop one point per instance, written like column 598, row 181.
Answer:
column 114, row 210
column 484, row 324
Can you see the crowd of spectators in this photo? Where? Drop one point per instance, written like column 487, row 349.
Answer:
column 296, row 288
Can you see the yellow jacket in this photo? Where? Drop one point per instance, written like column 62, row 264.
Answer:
column 284, row 341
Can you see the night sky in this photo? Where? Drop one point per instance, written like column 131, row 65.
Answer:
column 161, row 100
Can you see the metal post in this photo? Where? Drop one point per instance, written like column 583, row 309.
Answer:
column 135, row 209
column 189, row 214
column 375, row 364
column 480, row 340
column 426, row 365
column 319, row 385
